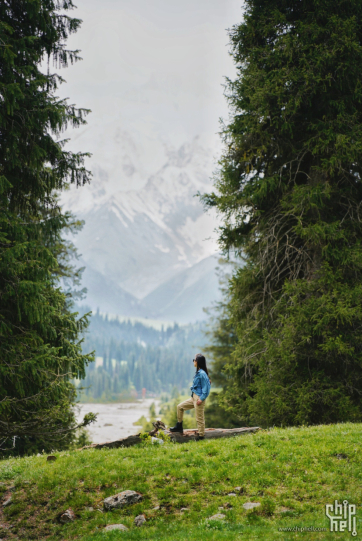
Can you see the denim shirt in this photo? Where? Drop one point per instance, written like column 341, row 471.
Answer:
column 201, row 384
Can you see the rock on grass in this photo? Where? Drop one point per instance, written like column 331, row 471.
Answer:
column 67, row 516
column 251, row 505
column 139, row 520
column 111, row 527
column 127, row 497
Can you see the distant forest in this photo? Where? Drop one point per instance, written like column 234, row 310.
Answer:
column 132, row 356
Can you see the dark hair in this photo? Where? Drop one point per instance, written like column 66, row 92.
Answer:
column 201, row 363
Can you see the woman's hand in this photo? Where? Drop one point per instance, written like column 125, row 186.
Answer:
column 199, row 402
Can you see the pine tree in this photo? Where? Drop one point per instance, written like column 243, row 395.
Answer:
column 222, row 340
column 40, row 349
column 289, row 190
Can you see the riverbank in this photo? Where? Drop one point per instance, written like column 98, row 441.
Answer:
column 115, row 421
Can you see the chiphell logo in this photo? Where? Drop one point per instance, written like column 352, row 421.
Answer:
column 342, row 517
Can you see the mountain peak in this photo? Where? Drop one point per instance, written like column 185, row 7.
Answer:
column 138, row 240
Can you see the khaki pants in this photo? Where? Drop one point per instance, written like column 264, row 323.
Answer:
column 199, row 412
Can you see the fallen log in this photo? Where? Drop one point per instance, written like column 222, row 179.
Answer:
column 210, row 433
column 188, row 435
column 124, row 442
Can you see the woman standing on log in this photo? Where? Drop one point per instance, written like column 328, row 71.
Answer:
column 199, row 392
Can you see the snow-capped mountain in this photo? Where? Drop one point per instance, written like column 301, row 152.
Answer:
column 138, row 244
column 185, row 296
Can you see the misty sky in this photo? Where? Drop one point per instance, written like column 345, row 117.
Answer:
column 154, row 67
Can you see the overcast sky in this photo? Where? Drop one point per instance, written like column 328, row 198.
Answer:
column 156, row 66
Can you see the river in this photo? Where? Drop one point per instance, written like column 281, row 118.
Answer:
column 115, row 421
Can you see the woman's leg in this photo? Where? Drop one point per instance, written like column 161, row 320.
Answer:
column 200, row 415
column 186, row 405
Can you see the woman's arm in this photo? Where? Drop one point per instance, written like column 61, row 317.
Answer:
column 205, row 386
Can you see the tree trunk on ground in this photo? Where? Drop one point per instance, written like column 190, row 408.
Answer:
column 188, row 435
column 210, row 433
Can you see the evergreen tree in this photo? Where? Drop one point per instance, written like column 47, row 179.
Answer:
column 40, row 349
column 290, row 191
column 222, row 340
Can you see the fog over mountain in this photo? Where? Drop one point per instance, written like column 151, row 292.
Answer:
column 149, row 252
column 152, row 74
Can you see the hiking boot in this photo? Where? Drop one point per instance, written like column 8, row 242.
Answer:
column 198, row 438
column 177, row 428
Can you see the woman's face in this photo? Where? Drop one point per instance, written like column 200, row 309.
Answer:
column 195, row 363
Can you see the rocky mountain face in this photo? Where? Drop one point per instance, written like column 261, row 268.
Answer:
column 151, row 251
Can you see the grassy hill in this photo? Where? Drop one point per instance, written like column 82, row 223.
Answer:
column 291, row 472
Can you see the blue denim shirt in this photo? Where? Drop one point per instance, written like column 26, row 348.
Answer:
column 201, row 384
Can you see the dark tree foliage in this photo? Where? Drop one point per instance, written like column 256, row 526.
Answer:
column 221, row 344
column 39, row 335
column 290, row 193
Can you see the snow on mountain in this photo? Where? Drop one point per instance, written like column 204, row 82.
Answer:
column 136, row 242
column 103, row 292
column 184, row 297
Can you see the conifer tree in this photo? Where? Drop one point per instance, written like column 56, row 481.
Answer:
column 290, row 190
column 40, row 349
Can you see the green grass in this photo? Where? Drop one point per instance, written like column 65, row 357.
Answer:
column 294, row 468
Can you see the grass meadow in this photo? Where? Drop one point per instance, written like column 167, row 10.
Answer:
column 293, row 473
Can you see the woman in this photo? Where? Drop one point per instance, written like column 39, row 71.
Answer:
column 199, row 392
